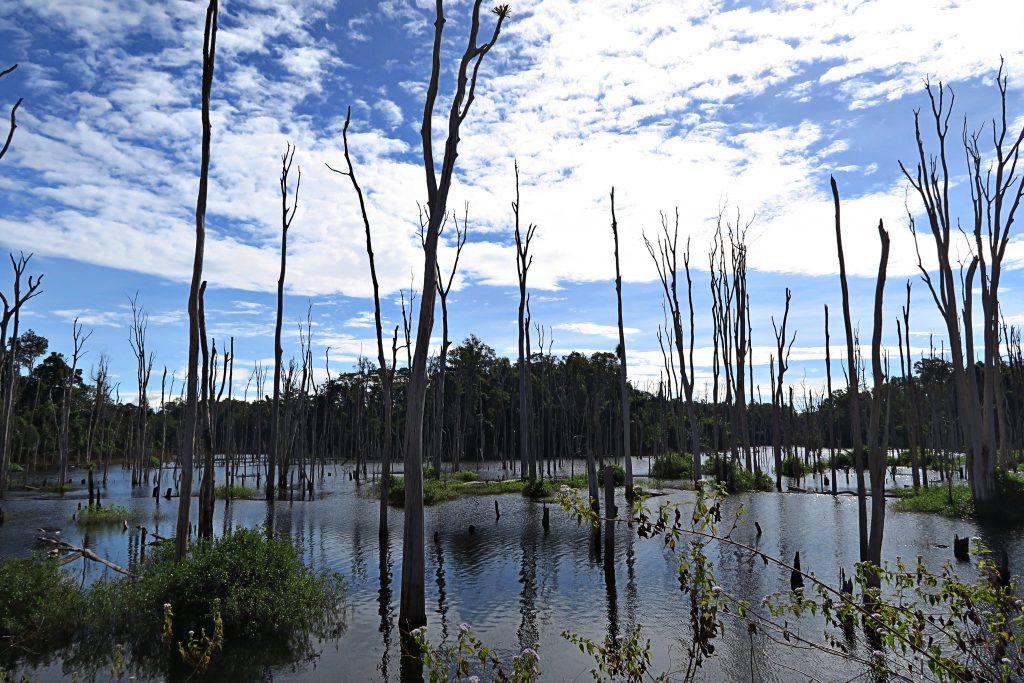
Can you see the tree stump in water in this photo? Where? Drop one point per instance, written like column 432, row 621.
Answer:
column 167, row 493
column 497, row 514
column 91, row 489
column 758, row 527
column 545, row 521
column 845, row 584
column 796, row 579
column 472, row 529
column 961, row 548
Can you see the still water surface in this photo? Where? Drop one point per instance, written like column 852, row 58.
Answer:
column 516, row 584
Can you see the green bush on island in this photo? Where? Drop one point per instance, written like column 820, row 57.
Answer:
column 672, row 466
column 793, row 466
column 94, row 515
column 254, row 586
column 465, row 475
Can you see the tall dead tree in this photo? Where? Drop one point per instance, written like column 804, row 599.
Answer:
column 412, row 612
column 11, row 321
column 778, row 375
column 996, row 189
column 443, row 288
column 527, row 459
column 627, row 453
column 64, row 446
column 830, row 417
column 386, row 375
column 876, row 439
column 666, row 262
column 854, row 386
column 143, row 368
column 275, row 456
column 192, row 379
column 14, row 116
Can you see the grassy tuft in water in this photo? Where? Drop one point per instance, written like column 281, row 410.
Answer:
column 236, row 491
column 96, row 515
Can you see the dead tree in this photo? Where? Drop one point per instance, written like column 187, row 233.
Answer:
column 385, row 374
column 919, row 470
column 627, row 453
column 778, row 375
column 143, row 368
column 996, row 191
column 275, row 457
column 443, row 288
column 665, row 259
column 11, row 320
column 527, row 460
column 412, row 612
column 854, row 387
column 14, row 114
column 78, row 342
column 876, row 439
column 830, row 417
column 192, row 379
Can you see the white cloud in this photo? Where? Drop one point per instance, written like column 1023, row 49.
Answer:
column 595, row 329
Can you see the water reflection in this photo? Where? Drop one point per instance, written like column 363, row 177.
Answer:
column 516, row 583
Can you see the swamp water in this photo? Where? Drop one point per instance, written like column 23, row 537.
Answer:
column 514, row 583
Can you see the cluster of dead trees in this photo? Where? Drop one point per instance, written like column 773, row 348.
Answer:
column 546, row 409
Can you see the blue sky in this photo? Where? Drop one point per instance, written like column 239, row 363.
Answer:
column 691, row 104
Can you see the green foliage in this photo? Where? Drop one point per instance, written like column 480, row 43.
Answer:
column 38, row 604
column 488, row 488
column 618, row 474
column 540, row 488
column 577, row 481
column 469, row 654
column 15, row 467
column 843, row 460
column 672, row 466
column 236, row 491
column 793, row 466
column 957, row 501
column 95, row 515
column 737, row 479
column 465, row 475
column 625, row 658
column 255, row 585
column 154, row 462
column 434, row 491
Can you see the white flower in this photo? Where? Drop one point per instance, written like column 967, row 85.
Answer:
column 474, row 679
column 463, row 628
column 878, row 653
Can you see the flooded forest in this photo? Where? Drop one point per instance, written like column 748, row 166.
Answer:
column 464, row 509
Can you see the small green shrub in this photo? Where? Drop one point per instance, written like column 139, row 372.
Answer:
column 154, row 462
column 672, row 466
column 94, row 515
column 38, row 604
column 15, row 467
column 540, row 488
column 618, row 474
column 465, row 475
column 843, row 460
column 793, row 466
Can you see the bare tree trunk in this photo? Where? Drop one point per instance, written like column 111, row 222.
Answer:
column 275, row 456
column 78, row 340
column 627, row 452
column 876, row 440
column 191, row 406
column 830, row 417
column 412, row 612
column 527, row 464
column 854, row 388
